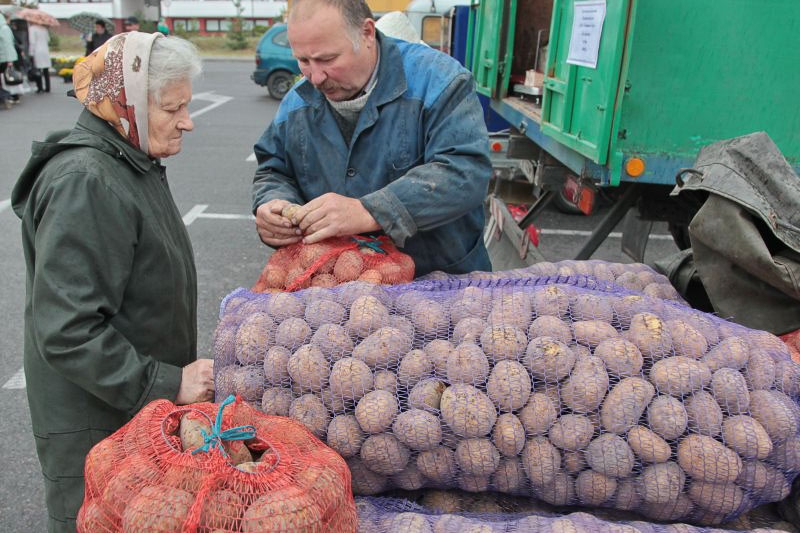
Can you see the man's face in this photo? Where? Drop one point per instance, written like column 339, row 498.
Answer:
column 324, row 50
column 99, row 28
column 132, row 26
column 167, row 120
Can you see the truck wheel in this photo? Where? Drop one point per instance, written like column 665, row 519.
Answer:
column 279, row 83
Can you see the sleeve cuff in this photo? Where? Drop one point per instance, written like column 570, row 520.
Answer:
column 165, row 385
column 390, row 213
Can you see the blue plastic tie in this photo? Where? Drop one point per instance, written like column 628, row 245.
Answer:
column 215, row 438
column 372, row 242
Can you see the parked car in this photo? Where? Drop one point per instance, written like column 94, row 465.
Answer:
column 276, row 68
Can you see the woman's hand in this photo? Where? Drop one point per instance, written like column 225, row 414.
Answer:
column 197, row 382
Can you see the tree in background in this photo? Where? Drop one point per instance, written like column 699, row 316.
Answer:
column 236, row 37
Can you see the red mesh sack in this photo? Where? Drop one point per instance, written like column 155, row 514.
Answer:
column 214, row 468
column 792, row 341
column 335, row 261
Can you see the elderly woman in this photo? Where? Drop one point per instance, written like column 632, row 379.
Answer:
column 110, row 316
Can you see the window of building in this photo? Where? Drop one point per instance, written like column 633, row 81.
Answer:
column 432, row 31
column 186, row 24
column 212, row 25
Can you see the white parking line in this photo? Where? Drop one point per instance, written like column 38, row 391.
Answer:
column 251, row 157
column 193, row 213
column 215, row 99
column 614, row 235
column 17, row 381
column 5, row 203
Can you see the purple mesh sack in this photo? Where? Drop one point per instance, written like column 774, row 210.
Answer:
column 571, row 389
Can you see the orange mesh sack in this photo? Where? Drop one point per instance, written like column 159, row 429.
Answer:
column 214, row 468
column 335, row 261
column 792, row 341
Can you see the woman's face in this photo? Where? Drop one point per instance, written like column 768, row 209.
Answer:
column 168, row 119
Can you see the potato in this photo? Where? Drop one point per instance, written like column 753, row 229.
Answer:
column 375, row 412
column 631, row 281
column 729, row 389
column 285, row 305
column 679, row 375
column 439, row 351
column 276, row 362
column 426, row 395
column 438, row 465
column 418, row 429
column 101, row 462
column 760, row 370
column 364, row 481
column 593, row 332
column 323, row 483
column 248, row 382
column 593, row 488
column 574, row 461
column 469, row 329
column 310, row 410
column 621, row 357
column 508, row 386
column 753, row 478
column 157, row 508
column 787, row 377
column 626, row 307
column 675, row 510
column 648, row 446
column 253, row 338
column 663, row 291
column 650, row 334
column 510, row 309
column 411, row 522
column 367, row 315
column 348, row 266
column 320, row 312
column 292, row 333
column 410, row 478
column 705, row 415
column 385, row 380
column 627, row 498
column 344, row 435
column 222, row 509
column 661, row 483
column 509, row 476
column 610, row 455
column 223, row 381
column 192, row 431
column 625, row 404
column 541, row 461
column 92, row 517
column 384, row 454
column 786, row 455
column 777, row 488
column 584, row 390
column 478, row 457
column 571, row 432
column 276, row 401
column 467, row 364
column 430, row 319
column 705, row 459
column 286, row 509
column 773, row 410
column 717, row 498
column 350, row 379
column 470, row 302
column 503, row 342
column 588, row 306
column 538, row 414
column 551, row 300
column 335, row 403
column 333, row 340
column 559, row 492
column 383, row 348
column 551, row 326
column 467, row 411
column 732, row 352
column 309, row 369
column 667, row 417
column 548, row 359
column 745, row 436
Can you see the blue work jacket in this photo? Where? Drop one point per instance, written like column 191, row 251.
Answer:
column 418, row 159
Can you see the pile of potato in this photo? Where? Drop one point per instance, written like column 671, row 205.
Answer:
column 576, row 396
column 332, row 262
column 144, row 477
column 389, row 515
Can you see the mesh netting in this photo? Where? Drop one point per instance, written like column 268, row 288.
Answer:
column 385, row 515
column 335, row 261
column 636, row 277
column 569, row 388
column 145, row 477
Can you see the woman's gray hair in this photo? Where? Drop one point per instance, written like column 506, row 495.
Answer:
column 354, row 13
column 171, row 59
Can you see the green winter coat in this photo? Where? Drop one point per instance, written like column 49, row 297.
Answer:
column 111, row 294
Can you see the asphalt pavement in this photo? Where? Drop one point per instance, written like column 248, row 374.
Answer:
column 210, row 180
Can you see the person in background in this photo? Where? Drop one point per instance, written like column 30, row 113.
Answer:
column 162, row 27
column 38, row 39
column 98, row 38
column 8, row 55
column 131, row 24
column 111, row 291
column 380, row 135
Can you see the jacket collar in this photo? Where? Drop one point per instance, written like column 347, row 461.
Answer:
column 391, row 80
column 113, row 143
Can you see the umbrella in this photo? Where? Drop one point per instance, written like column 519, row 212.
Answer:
column 84, row 22
column 36, row 16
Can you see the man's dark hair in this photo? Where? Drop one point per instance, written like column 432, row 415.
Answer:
column 99, row 23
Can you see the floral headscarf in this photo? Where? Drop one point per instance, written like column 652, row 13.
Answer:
column 112, row 84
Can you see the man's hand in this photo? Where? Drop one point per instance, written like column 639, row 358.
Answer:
column 197, row 382
column 333, row 215
column 274, row 229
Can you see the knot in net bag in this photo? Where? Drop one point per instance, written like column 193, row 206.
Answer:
column 214, row 468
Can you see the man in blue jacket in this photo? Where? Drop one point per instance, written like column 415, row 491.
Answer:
column 380, row 135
